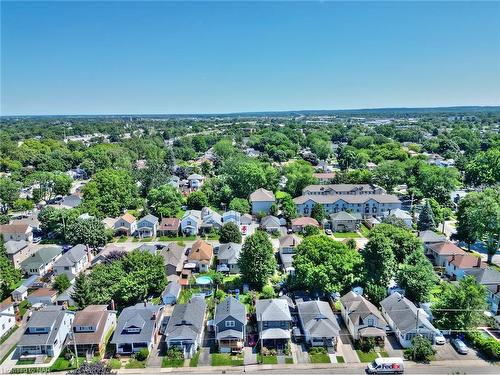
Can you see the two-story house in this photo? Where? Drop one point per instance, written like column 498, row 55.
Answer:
column 343, row 189
column 319, row 323
column 456, row 265
column 287, row 246
column 405, row 319
column 230, row 325
column 137, row 328
column 186, row 326
column 195, row 181
column 343, row 221
column 201, row 255
column 45, row 333
column 210, row 219
column 7, row 318
column 74, row 261
column 92, row 327
column 41, row 262
column 439, row 252
column 362, row 318
column 261, row 201
column 147, row 226
column 173, row 258
column 16, row 232
column 191, row 222
column 17, row 251
column 227, row 257
column 126, row 225
column 273, row 322
column 169, row 226
column 231, row 217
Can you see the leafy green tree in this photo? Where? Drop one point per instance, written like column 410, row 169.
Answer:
column 318, row 212
column 460, row 306
column 197, row 200
column 240, row 204
column 9, row 275
column 441, row 213
column 323, row 264
column 4, row 219
column 61, row 282
column 224, row 149
column 110, row 192
column 57, row 221
column 165, row 201
column 420, row 350
column 267, row 292
column 257, row 262
column 426, row 218
column 23, row 204
column 484, row 168
column 402, row 241
column 230, row 233
column 417, row 277
column 299, row 174
column 61, row 183
column 82, row 293
column 311, row 230
column 374, row 292
column 396, row 221
column 389, row 174
column 379, row 261
column 90, row 232
column 9, row 192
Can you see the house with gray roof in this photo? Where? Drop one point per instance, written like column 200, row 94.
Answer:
column 147, row 226
column 210, row 219
column 195, row 181
column 270, row 223
column 173, row 258
column 17, row 251
column 261, row 201
column 231, row 216
column 274, row 322
column 137, row 328
column 171, row 293
column 186, row 325
column 345, row 221
column 45, row 333
column 230, row 325
column 72, row 262
column 402, row 215
column 429, row 237
column 319, row 323
column 287, row 246
column 41, row 262
column 490, row 278
column 362, row 317
column 227, row 257
column 191, row 222
column 405, row 319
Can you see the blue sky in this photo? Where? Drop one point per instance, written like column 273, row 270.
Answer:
column 164, row 57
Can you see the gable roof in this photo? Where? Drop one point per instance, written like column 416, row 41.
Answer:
column 262, row 195
column 359, row 307
column 201, row 250
column 399, row 213
column 14, row 228
column 485, row 276
column 173, row 254
column 404, row 313
column 230, row 307
column 42, row 256
column 49, row 317
column 348, row 198
column 272, row 310
column 344, row 216
column 428, row 236
column 230, row 251
column 72, row 256
column 186, row 321
column 466, row 261
column 270, row 221
column 445, row 248
column 12, row 247
column 342, row 188
column 169, row 224
column 144, row 316
column 91, row 316
column 149, row 218
column 172, row 289
column 194, row 214
column 195, row 176
column 290, row 240
column 129, row 218
column 304, row 220
column 318, row 319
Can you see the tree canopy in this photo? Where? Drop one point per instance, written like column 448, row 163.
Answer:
column 257, row 263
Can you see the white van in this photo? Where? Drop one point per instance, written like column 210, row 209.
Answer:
column 391, row 365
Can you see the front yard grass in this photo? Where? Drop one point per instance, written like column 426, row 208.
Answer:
column 115, row 363
column 289, row 360
column 223, row 359
column 340, row 359
column 384, row 354
column 364, row 230
column 193, row 362
column 28, row 361
column 366, row 357
column 134, row 363
column 168, row 362
column 176, row 238
column 267, row 359
column 319, row 358
column 346, row 235
column 62, row 364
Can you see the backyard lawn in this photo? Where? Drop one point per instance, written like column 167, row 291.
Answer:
column 267, row 359
column 222, row 359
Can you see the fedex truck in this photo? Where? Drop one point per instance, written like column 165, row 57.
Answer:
column 391, row 365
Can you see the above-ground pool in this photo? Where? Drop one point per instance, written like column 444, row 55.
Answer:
column 203, row 280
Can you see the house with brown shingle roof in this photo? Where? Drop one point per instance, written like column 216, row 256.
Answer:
column 456, row 265
column 126, row 225
column 92, row 327
column 262, row 200
column 169, row 226
column 299, row 223
column 440, row 251
column 201, row 254
column 16, row 232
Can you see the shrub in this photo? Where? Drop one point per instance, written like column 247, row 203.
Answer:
column 317, row 350
column 367, row 344
column 488, row 346
column 267, row 292
column 420, row 350
column 142, row 354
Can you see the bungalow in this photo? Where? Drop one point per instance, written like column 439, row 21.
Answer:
column 439, row 252
column 318, row 323
column 191, row 222
column 186, row 325
column 274, row 322
column 227, row 257
column 16, row 232
column 195, row 181
column 17, row 251
column 137, row 328
column 231, row 217
column 66, row 297
column 402, row 215
column 345, row 222
column 270, row 223
column 362, row 318
column 456, row 265
column 287, row 246
column 262, row 200
column 74, row 261
column 173, row 258
column 298, row 224
column 490, row 278
column 92, row 327
column 46, row 332
column 41, row 262
column 429, row 237
column 230, row 325
column 405, row 319
column 201, row 254
column 45, row 296
column 20, row 293
column 246, row 219
column 7, row 318
column 169, row 226
column 171, row 293
column 126, row 225
column 147, row 226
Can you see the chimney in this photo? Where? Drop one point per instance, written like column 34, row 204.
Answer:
column 89, row 256
column 113, row 304
column 145, row 303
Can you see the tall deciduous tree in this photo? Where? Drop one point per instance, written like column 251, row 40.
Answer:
column 417, row 277
column 299, row 174
column 9, row 275
column 318, row 213
column 240, row 204
column 61, row 282
column 230, row 232
column 90, row 232
column 197, row 200
column 402, row 241
column 257, row 263
column 9, row 192
column 165, row 201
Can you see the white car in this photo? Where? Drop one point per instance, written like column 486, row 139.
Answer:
column 328, row 231
column 439, row 339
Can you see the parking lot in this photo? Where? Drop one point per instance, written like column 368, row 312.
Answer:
column 448, row 352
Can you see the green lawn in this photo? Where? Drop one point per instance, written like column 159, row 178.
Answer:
column 340, row 359
column 134, row 363
column 122, row 239
column 346, row 235
column 384, row 354
column 366, row 357
column 114, row 363
column 23, row 307
column 364, row 230
column 319, row 358
column 176, row 238
column 168, row 362
column 193, row 362
column 6, row 336
column 267, row 359
column 289, row 360
column 222, row 359
column 147, row 239
column 29, row 361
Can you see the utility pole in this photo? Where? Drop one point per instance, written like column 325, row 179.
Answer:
column 416, row 333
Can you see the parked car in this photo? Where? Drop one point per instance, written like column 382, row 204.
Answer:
column 460, row 346
column 243, row 229
column 439, row 338
column 391, row 365
column 37, row 239
column 328, row 231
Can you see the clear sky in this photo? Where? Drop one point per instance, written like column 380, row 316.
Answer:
column 164, row 57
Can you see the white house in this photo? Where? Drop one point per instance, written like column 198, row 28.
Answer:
column 74, row 261
column 318, row 323
column 490, row 278
column 7, row 318
column 42, row 261
column 402, row 215
column 16, row 232
column 191, row 222
column 125, row 225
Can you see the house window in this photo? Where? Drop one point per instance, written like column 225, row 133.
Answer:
column 370, row 322
column 230, row 323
